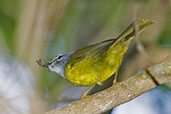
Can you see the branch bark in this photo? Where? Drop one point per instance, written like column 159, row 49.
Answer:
column 121, row 92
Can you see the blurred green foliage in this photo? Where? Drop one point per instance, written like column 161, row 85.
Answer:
column 165, row 36
column 9, row 10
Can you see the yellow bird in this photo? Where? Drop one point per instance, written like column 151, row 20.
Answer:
column 94, row 64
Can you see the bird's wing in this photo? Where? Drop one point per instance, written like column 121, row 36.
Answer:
column 91, row 51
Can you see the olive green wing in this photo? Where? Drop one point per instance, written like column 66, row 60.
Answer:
column 91, row 51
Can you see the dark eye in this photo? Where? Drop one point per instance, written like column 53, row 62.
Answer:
column 59, row 57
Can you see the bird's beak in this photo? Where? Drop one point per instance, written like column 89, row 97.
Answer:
column 44, row 65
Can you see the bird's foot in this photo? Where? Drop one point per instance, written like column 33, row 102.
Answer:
column 114, row 82
column 85, row 96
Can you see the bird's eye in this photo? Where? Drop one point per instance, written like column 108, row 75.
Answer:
column 59, row 57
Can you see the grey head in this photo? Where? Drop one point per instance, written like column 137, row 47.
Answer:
column 57, row 64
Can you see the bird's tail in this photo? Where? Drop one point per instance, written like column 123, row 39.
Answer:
column 120, row 45
column 134, row 29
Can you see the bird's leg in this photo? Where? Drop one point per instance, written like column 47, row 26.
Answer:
column 86, row 92
column 115, row 78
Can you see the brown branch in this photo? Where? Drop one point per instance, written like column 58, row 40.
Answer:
column 121, row 92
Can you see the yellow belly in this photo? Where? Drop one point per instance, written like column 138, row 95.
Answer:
column 85, row 75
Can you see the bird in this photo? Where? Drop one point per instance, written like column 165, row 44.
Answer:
column 94, row 64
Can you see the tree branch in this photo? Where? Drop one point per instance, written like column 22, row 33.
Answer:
column 121, row 92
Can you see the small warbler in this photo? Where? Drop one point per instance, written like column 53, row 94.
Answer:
column 94, row 64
